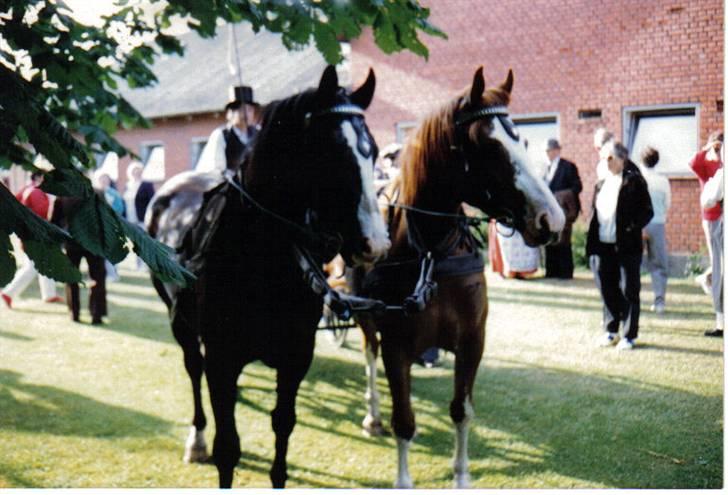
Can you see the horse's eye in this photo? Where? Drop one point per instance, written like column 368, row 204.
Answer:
column 510, row 127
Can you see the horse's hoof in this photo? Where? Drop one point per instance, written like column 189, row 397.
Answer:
column 405, row 483
column 196, row 455
column 196, row 447
column 462, row 481
column 373, row 428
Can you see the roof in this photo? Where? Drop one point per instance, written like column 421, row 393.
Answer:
column 200, row 81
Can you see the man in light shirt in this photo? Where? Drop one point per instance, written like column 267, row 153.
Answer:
column 654, row 233
column 621, row 209
column 226, row 146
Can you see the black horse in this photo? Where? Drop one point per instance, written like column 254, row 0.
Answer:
column 306, row 184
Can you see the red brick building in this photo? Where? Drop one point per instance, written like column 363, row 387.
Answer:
column 645, row 70
column 652, row 65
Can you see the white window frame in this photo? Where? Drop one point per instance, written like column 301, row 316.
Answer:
column 401, row 128
column 631, row 113
column 195, row 144
column 145, row 149
column 539, row 118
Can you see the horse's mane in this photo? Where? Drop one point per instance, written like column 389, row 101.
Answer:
column 280, row 128
column 433, row 141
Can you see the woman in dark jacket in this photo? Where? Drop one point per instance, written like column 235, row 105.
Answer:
column 621, row 209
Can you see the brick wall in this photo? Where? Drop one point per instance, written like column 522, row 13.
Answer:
column 175, row 133
column 566, row 56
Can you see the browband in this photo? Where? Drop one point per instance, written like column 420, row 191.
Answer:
column 343, row 109
column 481, row 112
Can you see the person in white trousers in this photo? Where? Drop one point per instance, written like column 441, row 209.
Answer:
column 32, row 197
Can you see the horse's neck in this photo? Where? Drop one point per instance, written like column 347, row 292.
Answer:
column 274, row 190
column 432, row 230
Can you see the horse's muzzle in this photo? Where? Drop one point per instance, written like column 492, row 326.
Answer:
column 370, row 251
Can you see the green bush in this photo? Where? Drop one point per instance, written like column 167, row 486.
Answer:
column 578, row 244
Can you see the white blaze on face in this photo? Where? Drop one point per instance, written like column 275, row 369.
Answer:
column 537, row 192
column 371, row 221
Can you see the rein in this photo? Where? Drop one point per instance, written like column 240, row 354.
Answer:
column 320, row 241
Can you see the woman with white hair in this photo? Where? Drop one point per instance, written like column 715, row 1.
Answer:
column 137, row 195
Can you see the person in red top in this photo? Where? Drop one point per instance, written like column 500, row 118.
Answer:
column 37, row 201
column 705, row 164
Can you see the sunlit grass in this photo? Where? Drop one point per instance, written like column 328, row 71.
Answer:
column 86, row 406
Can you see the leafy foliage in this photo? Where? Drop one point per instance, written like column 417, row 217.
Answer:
column 59, row 97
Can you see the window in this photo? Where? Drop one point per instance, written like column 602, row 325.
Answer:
column 403, row 130
column 152, row 155
column 536, row 129
column 196, row 147
column 672, row 130
column 108, row 164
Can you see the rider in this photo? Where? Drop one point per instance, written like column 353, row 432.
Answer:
column 226, row 145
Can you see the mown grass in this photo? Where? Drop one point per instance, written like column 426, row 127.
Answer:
column 85, row 406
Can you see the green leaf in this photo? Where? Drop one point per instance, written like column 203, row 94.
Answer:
column 326, row 43
column 14, row 217
column 7, row 259
column 67, row 182
column 158, row 256
column 52, row 262
column 97, row 227
column 384, row 33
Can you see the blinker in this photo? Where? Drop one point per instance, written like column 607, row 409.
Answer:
column 509, row 127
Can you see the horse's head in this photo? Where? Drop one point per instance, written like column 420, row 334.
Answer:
column 499, row 178
column 330, row 156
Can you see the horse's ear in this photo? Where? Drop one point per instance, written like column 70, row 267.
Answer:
column 362, row 96
column 478, row 86
column 507, row 85
column 328, row 85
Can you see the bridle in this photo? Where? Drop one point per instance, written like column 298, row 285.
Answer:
column 505, row 216
column 303, row 234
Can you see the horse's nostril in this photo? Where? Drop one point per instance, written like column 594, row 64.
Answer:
column 543, row 222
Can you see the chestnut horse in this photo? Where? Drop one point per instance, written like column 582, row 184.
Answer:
column 306, row 186
column 467, row 151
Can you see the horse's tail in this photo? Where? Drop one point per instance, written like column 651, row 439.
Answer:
column 162, row 291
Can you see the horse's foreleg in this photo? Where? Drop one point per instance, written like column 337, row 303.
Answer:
column 195, row 446
column 284, row 418
column 372, row 424
column 397, row 367
column 222, row 375
column 467, row 361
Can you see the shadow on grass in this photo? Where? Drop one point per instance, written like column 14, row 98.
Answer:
column 40, row 408
column 14, row 336
column 604, row 430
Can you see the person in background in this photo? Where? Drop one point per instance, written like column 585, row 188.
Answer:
column 32, row 197
column 62, row 211
column 137, row 195
column 601, row 137
column 708, row 166
column 226, row 146
column 654, row 233
column 711, row 196
column 563, row 179
column 508, row 254
column 114, row 199
column 704, row 164
column 621, row 209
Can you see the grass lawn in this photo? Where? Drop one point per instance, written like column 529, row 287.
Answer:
column 86, row 406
